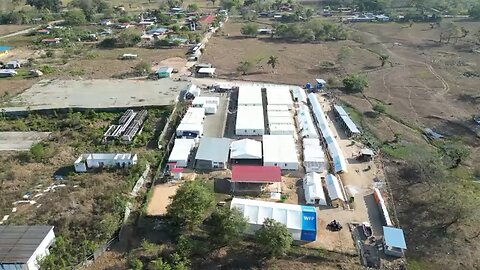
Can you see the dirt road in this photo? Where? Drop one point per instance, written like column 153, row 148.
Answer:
column 25, row 31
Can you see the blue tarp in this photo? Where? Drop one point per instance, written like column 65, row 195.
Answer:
column 4, row 48
column 394, row 237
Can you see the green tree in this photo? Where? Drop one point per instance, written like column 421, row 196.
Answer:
column 190, row 204
column 226, row 226
column 75, row 17
column 244, row 67
column 249, row 29
column 344, row 53
column 379, row 108
column 355, row 83
column 135, row 264
column 53, row 5
column 384, row 58
column 128, row 38
column 273, row 62
column 273, row 238
column 38, row 152
column 474, row 11
column 159, row 264
column 192, row 7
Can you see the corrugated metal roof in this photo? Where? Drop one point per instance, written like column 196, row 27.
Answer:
column 346, row 119
column 19, row 243
column 333, row 187
column 214, row 149
column 256, row 174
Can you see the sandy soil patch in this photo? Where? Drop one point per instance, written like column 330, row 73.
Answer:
column 21, row 141
column 11, row 28
column 161, row 199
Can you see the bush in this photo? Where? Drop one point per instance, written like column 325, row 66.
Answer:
column 249, row 29
column 143, row 68
column 75, row 17
column 355, row 83
column 273, row 238
column 381, row 108
column 47, row 69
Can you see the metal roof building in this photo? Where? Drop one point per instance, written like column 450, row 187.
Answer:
column 181, row 152
column 212, row 153
column 313, row 189
column 346, row 121
column 22, row 246
column 246, row 149
column 279, row 95
column 250, row 96
column 334, row 190
column 256, row 174
column 299, row 95
column 394, row 241
column 250, row 121
column 279, row 108
column 300, row 220
column 305, row 123
column 280, row 150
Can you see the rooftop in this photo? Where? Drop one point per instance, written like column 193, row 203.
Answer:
column 250, row 95
column 207, row 19
column 214, row 149
column 279, row 149
column 256, row 174
column 246, row 149
column 250, row 117
column 5, row 48
column 394, row 237
column 19, row 243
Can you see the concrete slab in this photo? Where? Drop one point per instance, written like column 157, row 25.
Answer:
column 20, row 141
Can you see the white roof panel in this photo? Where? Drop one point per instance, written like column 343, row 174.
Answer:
column 271, row 107
column 279, row 114
column 272, row 120
column 279, row 95
column 181, row 149
column 250, row 95
column 333, row 187
column 250, row 117
column 246, row 149
column 279, row 149
column 312, row 184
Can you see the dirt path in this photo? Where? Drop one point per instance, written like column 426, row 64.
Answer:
column 25, row 31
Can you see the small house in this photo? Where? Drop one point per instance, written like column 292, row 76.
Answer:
column 21, row 246
column 180, row 154
column 106, row 22
column 43, row 31
column 92, row 161
column 254, row 179
column 394, row 241
column 176, row 173
column 212, row 153
column 164, row 72
column 7, row 73
column 206, row 72
column 366, row 154
column 13, row 64
column 206, row 20
column 246, row 152
column 51, row 41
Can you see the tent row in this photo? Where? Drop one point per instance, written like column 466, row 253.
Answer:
column 305, row 123
column 345, row 120
column 314, row 193
column 339, row 162
column 313, row 156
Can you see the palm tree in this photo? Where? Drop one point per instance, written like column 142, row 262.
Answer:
column 384, row 58
column 273, row 61
column 213, row 2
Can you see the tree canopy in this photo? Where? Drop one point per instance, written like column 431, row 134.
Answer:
column 249, row 29
column 226, row 226
column 190, row 204
column 244, row 67
column 355, row 83
column 75, row 17
column 53, row 5
column 273, row 238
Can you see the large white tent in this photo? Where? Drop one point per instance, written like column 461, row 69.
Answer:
column 313, row 189
column 246, row 149
column 279, row 95
column 305, row 123
column 334, row 189
column 250, row 96
column 300, row 220
column 181, row 151
column 280, row 150
column 250, row 121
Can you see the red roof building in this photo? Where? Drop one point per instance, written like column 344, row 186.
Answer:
column 206, row 19
column 256, row 174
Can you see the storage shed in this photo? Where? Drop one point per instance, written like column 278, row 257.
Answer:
column 250, row 96
column 334, row 190
column 394, row 241
column 301, row 220
column 250, row 121
column 279, row 95
column 280, row 150
column 21, row 247
column 253, row 179
column 212, row 153
column 246, row 151
column 164, row 72
column 345, row 121
column 313, row 189
column 180, row 153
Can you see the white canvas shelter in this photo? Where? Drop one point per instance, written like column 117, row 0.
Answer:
column 279, row 114
column 246, row 149
column 104, row 160
column 333, row 187
column 305, row 123
column 250, row 121
column 278, row 120
column 339, row 162
column 300, row 220
column 281, row 129
column 280, row 150
column 299, row 95
column 313, row 189
column 189, row 130
column 181, row 151
column 310, row 142
column 280, row 108
column 279, row 95
column 250, row 96
column 314, row 159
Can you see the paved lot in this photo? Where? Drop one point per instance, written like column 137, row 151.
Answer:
column 20, row 141
column 214, row 123
column 54, row 94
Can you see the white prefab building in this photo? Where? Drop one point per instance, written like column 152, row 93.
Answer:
column 313, row 189
column 210, row 108
column 279, row 114
column 181, row 152
column 250, row 121
column 193, row 116
column 281, row 129
column 314, row 159
column 276, row 120
column 189, row 130
column 250, row 96
column 334, row 190
column 299, row 95
column 279, row 95
column 305, row 123
column 193, row 90
column 277, row 108
column 22, row 247
column 310, row 142
column 246, row 149
column 300, row 220
column 280, row 150
column 89, row 161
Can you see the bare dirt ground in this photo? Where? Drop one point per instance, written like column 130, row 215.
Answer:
column 10, row 28
column 161, row 199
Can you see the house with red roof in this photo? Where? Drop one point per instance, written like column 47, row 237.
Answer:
column 253, row 179
column 206, row 20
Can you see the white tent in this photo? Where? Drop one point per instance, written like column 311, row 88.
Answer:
column 313, row 189
column 280, row 150
column 333, row 188
column 279, row 95
column 249, row 121
column 314, row 159
column 181, row 151
column 246, row 149
column 305, row 123
column 300, row 220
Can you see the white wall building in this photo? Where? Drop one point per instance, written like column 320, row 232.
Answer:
column 280, row 150
column 250, row 121
column 279, row 95
column 278, row 108
column 299, row 95
column 313, row 189
column 21, row 247
column 189, row 130
column 250, row 96
column 313, row 156
column 181, row 152
column 89, row 161
column 280, row 129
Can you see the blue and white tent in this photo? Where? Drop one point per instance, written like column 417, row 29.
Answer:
column 301, row 220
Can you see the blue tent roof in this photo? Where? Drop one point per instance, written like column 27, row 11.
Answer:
column 4, row 48
column 394, row 237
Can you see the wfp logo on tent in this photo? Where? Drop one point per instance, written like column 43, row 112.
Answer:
column 308, row 218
